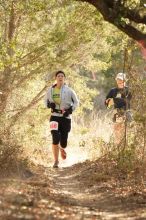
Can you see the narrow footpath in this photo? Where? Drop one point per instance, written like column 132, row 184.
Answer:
column 78, row 192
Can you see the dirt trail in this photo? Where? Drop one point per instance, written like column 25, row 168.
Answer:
column 69, row 193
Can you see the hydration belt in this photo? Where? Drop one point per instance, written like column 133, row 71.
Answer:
column 57, row 111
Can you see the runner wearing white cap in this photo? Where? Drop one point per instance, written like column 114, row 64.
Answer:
column 119, row 97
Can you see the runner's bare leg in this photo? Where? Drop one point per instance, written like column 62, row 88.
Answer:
column 55, row 150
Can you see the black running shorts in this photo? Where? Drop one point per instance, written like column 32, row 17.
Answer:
column 60, row 126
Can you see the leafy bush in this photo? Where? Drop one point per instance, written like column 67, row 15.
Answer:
column 12, row 163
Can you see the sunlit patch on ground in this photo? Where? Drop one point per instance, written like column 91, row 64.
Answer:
column 84, row 142
column 74, row 155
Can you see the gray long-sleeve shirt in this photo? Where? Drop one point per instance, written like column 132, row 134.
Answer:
column 68, row 98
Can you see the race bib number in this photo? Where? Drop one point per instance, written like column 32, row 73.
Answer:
column 119, row 95
column 53, row 125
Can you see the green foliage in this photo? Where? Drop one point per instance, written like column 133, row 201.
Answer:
column 140, row 117
column 12, row 163
column 127, row 159
column 39, row 37
column 132, row 3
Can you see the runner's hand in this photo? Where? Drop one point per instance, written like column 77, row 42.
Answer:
column 51, row 105
column 110, row 102
column 67, row 112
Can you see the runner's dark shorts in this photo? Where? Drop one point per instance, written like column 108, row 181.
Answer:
column 61, row 135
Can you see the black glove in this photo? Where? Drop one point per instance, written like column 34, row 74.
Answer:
column 67, row 112
column 51, row 105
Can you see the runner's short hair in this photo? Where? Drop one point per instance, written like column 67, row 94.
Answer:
column 59, row 71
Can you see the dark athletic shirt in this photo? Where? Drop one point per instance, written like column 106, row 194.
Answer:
column 121, row 97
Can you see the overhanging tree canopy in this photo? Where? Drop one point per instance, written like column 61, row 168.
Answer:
column 127, row 15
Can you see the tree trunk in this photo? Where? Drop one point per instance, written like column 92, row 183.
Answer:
column 5, row 80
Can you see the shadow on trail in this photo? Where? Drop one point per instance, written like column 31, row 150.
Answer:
column 78, row 192
column 79, row 187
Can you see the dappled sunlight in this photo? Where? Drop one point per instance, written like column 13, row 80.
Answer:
column 88, row 138
column 101, row 126
column 44, row 156
column 85, row 141
column 82, row 44
column 74, row 155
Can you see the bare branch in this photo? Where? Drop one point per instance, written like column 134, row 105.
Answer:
column 34, row 101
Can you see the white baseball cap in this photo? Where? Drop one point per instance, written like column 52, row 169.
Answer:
column 121, row 76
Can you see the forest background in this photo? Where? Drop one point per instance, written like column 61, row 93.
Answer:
column 39, row 37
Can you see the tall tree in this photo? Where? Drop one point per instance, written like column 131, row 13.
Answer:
column 127, row 15
column 37, row 38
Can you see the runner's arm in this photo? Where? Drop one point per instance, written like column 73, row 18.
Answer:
column 75, row 100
